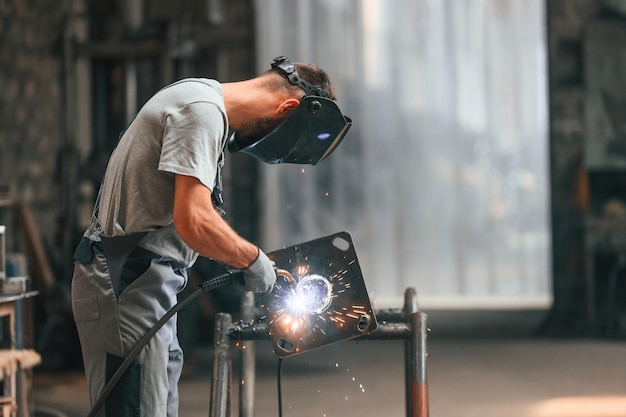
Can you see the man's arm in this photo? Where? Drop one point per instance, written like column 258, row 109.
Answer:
column 204, row 230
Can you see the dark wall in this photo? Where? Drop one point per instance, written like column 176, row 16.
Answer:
column 31, row 112
column 583, row 169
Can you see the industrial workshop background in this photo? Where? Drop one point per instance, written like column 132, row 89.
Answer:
column 480, row 194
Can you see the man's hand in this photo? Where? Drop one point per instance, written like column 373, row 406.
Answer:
column 260, row 276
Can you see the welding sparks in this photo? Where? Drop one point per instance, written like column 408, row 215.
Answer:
column 302, row 270
column 304, row 308
column 308, row 301
column 314, row 302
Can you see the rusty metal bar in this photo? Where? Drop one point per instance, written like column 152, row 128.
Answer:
column 248, row 364
column 222, row 366
column 259, row 331
column 410, row 308
column 390, row 314
column 417, row 388
column 410, row 302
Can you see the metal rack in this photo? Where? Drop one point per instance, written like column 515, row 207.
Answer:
column 408, row 324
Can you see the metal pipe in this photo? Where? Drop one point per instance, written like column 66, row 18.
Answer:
column 389, row 331
column 248, row 365
column 220, row 389
column 410, row 308
column 410, row 302
column 259, row 331
column 418, row 387
column 390, row 314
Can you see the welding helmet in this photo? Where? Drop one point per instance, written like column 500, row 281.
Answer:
column 308, row 135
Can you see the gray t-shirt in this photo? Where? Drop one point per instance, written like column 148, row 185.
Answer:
column 182, row 129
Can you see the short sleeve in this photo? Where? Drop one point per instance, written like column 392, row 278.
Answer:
column 193, row 139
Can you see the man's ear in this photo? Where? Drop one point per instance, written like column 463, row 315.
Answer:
column 287, row 106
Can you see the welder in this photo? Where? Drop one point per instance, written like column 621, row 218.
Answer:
column 160, row 206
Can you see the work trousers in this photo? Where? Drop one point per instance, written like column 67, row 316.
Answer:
column 112, row 316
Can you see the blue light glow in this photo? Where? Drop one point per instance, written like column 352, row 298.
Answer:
column 323, row 136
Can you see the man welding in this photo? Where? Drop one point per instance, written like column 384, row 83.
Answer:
column 159, row 207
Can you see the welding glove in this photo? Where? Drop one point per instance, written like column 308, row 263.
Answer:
column 260, row 276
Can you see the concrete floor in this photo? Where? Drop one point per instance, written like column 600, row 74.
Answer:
column 485, row 364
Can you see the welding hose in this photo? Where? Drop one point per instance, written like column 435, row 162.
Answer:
column 228, row 278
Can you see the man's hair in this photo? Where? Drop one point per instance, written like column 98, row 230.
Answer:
column 308, row 72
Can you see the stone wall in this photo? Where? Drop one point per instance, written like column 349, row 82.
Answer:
column 31, row 109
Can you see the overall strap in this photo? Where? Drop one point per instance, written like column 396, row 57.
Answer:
column 117, row 250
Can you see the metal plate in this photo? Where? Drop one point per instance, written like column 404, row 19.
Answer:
column 326, row 302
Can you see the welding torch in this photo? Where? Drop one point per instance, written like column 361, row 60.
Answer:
column 235, row 277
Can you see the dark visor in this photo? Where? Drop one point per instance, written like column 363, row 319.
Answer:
column 307, row 136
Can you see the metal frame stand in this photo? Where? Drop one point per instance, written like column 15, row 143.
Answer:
column 408, row 324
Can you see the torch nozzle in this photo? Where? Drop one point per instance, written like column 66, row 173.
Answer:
column 286, row 274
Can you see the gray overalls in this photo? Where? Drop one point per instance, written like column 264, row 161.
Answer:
column 121, row 287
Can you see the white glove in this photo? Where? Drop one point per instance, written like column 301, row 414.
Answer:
column 260, row 276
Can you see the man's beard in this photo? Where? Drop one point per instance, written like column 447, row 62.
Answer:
column 253, row 131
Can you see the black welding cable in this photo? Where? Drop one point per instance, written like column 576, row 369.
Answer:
column 207, row 285
column 278, row 382
column 289, row 278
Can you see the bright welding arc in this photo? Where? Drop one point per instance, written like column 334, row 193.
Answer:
column 312, row 294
